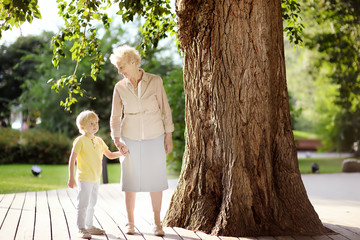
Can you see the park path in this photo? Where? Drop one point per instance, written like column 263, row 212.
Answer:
column 51, row 214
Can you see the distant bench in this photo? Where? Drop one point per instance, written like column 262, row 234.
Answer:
column 307, row 144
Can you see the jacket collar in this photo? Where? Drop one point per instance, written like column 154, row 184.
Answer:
column 144, row 78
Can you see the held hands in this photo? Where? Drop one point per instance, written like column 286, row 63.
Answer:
column 121, row 146
column 124, row 150
column 168, row 143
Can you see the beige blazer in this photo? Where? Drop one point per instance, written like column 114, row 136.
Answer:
column 141, row 117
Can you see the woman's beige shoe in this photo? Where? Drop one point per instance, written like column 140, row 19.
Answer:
column 158, row 230
column 130, row 229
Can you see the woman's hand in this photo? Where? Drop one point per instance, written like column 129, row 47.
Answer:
column 168, row 143
column 121, row 146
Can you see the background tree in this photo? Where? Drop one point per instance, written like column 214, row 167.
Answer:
column 15, row 69
column 338, row 41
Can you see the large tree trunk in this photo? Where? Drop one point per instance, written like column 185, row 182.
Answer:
column 240, row 173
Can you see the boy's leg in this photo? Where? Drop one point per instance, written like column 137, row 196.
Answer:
column 90, row 211
column 84, row 190
column 92, row 202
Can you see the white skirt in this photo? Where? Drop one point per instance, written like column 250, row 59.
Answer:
column 144, row 169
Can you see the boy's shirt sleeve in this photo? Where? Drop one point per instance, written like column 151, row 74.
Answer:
column 77, row 145
column 104, row 146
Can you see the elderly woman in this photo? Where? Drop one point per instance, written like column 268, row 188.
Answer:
column 141, row 119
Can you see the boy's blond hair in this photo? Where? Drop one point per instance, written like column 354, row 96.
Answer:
column 124, row 54
column 83, row 118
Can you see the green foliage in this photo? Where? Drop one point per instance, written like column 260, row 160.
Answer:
column 15, row 13
column 294, row 26
column 159, row 20
column 80, row 30
column 175, row 93
column 15, row 69
column 338, row 41
column 306, row 135
column 33, row 146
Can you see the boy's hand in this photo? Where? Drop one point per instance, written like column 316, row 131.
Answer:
column 124, row 150
column 121, row 146
column 71, row 183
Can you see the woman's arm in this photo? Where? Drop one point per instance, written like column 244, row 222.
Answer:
column 168, row 143
column 116, row 114
column 164, row 107
column 166, row 112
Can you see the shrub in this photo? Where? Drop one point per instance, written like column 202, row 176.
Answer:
column 35, row 146
column 9, row 147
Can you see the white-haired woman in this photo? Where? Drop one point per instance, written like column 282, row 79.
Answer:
column 141, row 119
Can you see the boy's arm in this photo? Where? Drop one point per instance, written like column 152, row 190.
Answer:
column 114, row 155
column 72, row 160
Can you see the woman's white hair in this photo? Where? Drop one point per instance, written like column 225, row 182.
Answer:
column 124, row 54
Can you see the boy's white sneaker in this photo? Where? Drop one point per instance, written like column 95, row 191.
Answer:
column 83, row 233
column 95, row 231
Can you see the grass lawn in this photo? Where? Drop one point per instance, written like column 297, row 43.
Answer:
column 18, row 177
column 326, row 165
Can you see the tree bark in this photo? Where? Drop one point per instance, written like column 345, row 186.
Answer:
column 240, row 174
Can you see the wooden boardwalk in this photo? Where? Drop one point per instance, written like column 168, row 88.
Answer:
column 51, row 215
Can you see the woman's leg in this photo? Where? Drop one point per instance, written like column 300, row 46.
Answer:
column 130, row 198
column 156, row 199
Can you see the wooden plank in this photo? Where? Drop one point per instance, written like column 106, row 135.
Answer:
column 342, row 231
column 171, row 234
column 105, row 221
column 302, row 237
column 109, row 202
column 110, row 213
column 266, row 238
column 9, row 227
column 26, row 223
column 111, row 194
column 59, row 225
column 228, row 238
column 321, row 237
column 5, row 205
column 284, row 238
column 338, row 237
column 205, row 236
column 69, row 210
column 186, row 234
column 353, row 229
column 42, row 217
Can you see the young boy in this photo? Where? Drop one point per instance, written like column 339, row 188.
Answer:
column 88, row 151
